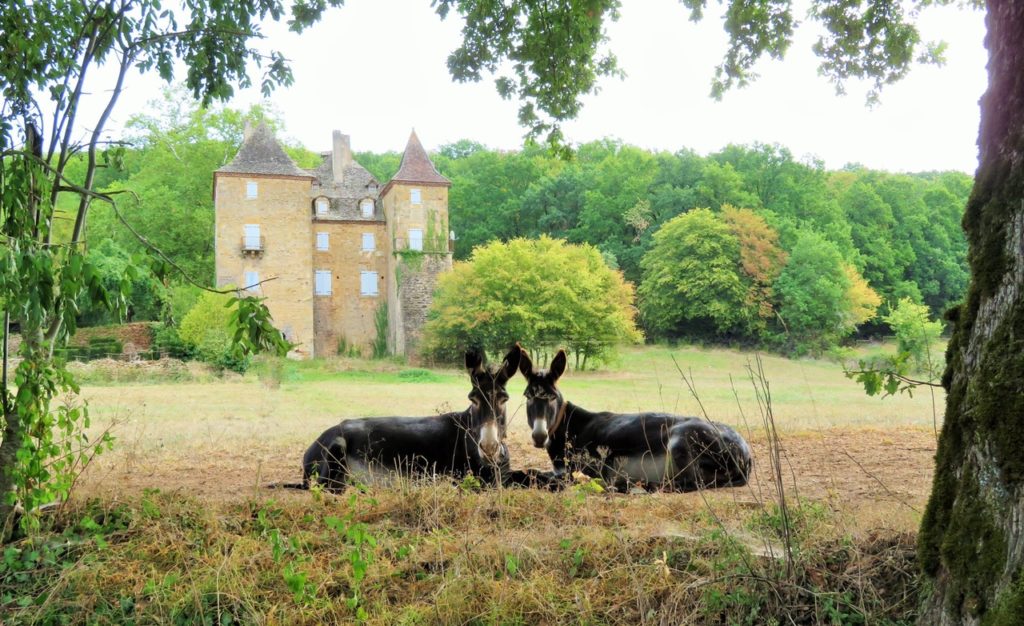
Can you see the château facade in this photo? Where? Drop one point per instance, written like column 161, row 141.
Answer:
column 341, row 259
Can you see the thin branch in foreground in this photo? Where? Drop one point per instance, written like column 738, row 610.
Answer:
column 881, row 484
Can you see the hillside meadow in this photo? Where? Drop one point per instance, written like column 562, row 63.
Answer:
column 176, row 525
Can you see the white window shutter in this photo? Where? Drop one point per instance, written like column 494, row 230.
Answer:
column 251, row 281
column 251, row 189
column 252, row 237
column 369, row 245
column 322, row 283
column 322, row 241
column 415, row 239
column 368, row 283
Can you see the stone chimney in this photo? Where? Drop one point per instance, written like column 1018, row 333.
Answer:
column 247, row 131
column 341, row 157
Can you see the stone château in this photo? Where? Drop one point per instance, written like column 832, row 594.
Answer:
column 342, row 260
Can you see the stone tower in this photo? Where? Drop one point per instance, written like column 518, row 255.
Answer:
column 262, row 217
column 415, row 206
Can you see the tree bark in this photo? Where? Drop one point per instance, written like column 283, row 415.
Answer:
column 971, row 543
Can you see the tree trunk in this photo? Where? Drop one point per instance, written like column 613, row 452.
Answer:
column 972, row 536
column 13, row 438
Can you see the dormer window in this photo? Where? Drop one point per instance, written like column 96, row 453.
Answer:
column 414, row 196
column 366, row 206
column 372, row 187
column 251, row 189
column 322, row 205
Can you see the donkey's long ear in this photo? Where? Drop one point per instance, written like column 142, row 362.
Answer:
column 474, row 360
column 512, row 360
column 525, row 365
column 557, row 366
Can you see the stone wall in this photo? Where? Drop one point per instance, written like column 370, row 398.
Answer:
column 408, row 302
column 135, row 337
column 417, row 279
column 346, row 314
column 283, row 209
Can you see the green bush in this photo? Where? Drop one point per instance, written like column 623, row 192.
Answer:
column 205, row 330
column 167, row 341
column 915, row 334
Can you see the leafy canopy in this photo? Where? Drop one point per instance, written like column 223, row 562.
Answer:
column 540, row 292
column 692, row 278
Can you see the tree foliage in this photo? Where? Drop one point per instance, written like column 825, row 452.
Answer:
column 693, row 279
column 760, row 256
column 821, row 298
column 541, row 292
column 50, row 52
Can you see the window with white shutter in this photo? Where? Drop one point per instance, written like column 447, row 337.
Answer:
column 251, row 189
column 252, row 237
column 369, row 244
column 414, row 196
column 323, row 282
column 322, row 241
column 415, row 239
column 251, row 281
column 368, row 283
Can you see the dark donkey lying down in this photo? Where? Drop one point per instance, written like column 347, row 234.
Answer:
column 453, row 443
column 650, row 449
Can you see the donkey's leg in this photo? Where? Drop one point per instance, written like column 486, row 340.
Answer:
column 333, row 465
column 686, row 462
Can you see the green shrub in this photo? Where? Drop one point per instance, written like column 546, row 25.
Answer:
column 166, row 341
column 180, row 300
column 205, row 329
column 916, row 333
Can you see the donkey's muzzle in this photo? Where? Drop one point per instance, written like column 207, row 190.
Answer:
column 490, row 442
column 540, row 433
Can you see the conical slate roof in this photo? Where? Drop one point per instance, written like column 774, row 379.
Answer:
column 417, row 167
column 261, row 154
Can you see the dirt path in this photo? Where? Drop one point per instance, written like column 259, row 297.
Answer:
column 888, row 472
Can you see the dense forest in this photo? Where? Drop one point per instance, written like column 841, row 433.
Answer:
column 749, row 244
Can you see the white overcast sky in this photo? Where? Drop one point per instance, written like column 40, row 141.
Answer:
column 376, row 68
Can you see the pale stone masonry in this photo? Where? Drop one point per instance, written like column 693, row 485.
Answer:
column 332, row 250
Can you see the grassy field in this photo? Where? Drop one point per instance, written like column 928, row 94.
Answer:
column 175, row 526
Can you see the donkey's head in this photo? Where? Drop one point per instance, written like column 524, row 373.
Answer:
column 545, row 406
column 488, row 397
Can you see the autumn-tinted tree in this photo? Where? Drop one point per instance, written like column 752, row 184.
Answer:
column 760, row 256
column 541, row 292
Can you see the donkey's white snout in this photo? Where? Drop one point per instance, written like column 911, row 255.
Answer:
column 490, row 442
column 540, row 432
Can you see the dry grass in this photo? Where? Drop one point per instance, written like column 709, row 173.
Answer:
column 442, row 555
column 212, row 543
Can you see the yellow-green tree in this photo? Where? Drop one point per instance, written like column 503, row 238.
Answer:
column 540, row 292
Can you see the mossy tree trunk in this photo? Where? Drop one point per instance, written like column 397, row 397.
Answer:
column 972, row 537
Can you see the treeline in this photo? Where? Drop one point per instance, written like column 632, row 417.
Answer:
column 748, row 243
column 900, row 231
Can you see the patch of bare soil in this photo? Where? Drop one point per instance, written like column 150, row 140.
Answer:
column 881, row 470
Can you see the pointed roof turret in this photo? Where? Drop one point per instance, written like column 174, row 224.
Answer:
column 260, row 153
column 417, row 167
